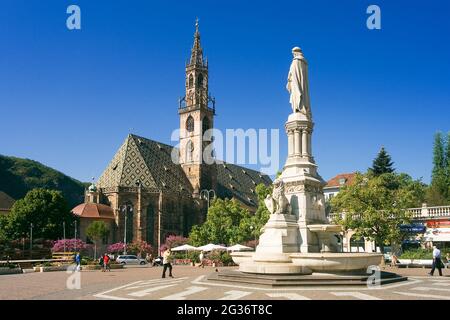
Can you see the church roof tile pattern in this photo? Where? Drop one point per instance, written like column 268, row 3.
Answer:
column 151, row 163
column 237, row 182
column 147, row 161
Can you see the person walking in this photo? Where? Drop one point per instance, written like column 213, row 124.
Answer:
column 78, row 261
column 149, row 259
column 201, row 257
column 437, row 263
column 106, row 266
column 167, row 258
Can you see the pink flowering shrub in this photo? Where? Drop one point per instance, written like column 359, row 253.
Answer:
column 116, row 247
column 70, row 245
column 139, row 248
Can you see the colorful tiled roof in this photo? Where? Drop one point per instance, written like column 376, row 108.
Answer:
column 150, row 162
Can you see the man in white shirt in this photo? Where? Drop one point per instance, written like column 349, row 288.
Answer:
column 437, row 263
column 167, row 259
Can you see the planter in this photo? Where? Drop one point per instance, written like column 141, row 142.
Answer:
column 51, row 268
column 239, row 257
column 416, row 262
column 10, row 271
column 98, row 267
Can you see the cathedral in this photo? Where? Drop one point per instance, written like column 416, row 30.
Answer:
column 143, row 195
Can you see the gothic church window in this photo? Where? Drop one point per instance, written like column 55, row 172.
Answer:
column 200, row 80
column 205, row 124
column 190, row 124
column 189, row 151
column 191, row 81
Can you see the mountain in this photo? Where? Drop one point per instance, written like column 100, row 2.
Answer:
column 18, row 176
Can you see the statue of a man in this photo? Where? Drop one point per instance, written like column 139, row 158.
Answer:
column 297, row 84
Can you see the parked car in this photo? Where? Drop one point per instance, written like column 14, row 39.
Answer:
column 130, row 259
column 158, row 261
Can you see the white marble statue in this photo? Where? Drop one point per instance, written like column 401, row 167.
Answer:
column 297, row 84
column 277, row 203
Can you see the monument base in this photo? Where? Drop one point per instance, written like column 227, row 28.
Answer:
column 295, row 280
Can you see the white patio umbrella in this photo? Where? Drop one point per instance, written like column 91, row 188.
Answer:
column 184, row 247
column 239, row 247
column 211, row 247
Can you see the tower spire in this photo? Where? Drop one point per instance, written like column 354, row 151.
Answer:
column 197, row 51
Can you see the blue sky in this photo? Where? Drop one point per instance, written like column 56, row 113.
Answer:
column 69, row 98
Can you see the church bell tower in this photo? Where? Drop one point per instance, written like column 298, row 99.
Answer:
column 196, row 110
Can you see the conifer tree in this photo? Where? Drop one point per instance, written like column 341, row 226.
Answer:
column 438, row 191
column 382, row 163
column 447, row 165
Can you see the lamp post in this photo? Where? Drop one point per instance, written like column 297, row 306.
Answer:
column 31, row 240
column 64, row 235
column 125, row 209
column 75, row 235
column 206, row 194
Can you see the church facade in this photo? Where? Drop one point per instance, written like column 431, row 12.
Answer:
column 150, row 195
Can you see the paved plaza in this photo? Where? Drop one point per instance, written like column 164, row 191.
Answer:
column 190, row 283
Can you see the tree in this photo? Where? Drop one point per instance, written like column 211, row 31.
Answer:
column 97, row 231
column 139, row 248
column 46, row 209
column 229, row 223
column 222, row 225
column 447, row 165
column 374, row 209
column 438, row 193
column 3, row 226
column 382, row 163
column 174, row 241
column 261, row 216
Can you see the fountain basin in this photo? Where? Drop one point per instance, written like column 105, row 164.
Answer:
column 239, row 257
column 327, row 228
column 336, row 262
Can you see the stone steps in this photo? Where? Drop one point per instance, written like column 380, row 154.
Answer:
column 301, row 280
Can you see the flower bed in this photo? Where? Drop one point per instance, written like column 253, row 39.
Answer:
column 99, row 267
column 182, row 261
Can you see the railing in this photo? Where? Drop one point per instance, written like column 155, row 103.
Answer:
column 422, row 213
column 430, row 212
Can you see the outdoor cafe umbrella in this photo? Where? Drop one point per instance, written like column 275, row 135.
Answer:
column 239, row 247
column 211, row 247
column 184, row 247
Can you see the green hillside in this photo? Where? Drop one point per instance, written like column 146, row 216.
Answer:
column 18, row 176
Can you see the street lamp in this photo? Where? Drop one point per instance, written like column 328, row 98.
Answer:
column 75, row 235
column 31, row 240
column 125, row 209
column 206, row 194
column 64, row 235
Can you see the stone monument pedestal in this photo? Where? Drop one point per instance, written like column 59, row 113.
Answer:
column 278, row 241
column 297, row 240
